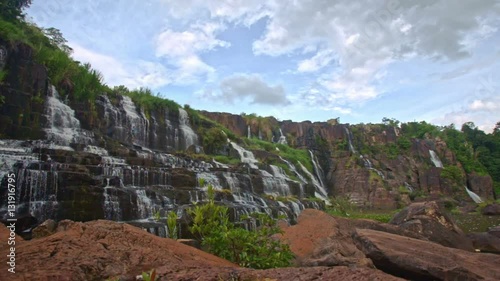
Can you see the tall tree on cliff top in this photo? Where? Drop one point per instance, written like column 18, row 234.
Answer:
column 12, row 9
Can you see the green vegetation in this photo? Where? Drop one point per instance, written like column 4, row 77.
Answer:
column 12, row 9
column 255, row 249
column 214, row 140
column 226, row 160
column 341, row 205
column 454, row 174
column 291, row 154
column 172, row 224
column 419, row 130
column 149, row 276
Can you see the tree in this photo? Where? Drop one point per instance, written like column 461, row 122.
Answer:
column 57, row 39
column 213, row 140
column 12, row 9
column 255, row 249
column 496, row 131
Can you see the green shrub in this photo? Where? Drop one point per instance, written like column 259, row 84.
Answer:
column 149, row 276
column 172, row 224
column 341, row 204
column 453, row 173
column 255, row 249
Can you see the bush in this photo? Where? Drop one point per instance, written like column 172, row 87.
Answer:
column 255, row 249
column 172, row 224
column 453, row 173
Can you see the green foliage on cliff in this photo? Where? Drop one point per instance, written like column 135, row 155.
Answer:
column 214, row 140
column 419, row 130
column 12, row 9
column 454, row 174
column 255, row 249
column 294, row 155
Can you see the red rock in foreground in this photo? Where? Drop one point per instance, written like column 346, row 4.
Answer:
column 101, row 249
column 422, row 260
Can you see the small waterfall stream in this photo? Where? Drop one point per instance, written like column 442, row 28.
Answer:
column 435, row 159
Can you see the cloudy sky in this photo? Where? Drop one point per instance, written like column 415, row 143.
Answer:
column 432, row 60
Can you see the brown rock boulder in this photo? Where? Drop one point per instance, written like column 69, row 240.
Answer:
column 485, row 242
column 47, row 228
column 328, row 247
column 101, row 249
column 491, row 210
column 481, row 185
column 421, row 260
column 341, row 273
column 429, row 220
column 333, row 245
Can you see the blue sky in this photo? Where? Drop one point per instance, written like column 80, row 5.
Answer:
column 432, row 60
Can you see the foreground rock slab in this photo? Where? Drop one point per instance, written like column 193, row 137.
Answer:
column 99, row 250
column 420, row 260
column 340, row 273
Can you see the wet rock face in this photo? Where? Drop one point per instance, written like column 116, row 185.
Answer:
column 482, row 185
column 429, row 220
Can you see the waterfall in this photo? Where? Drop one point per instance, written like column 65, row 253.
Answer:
column 276, row 186
column 282, row 139
column 138, row 125
column 245, row 156
column 435, row 159
column 144, row 204
column 190, row 137
column 473, row 196
column 249, row 133
column 349, row 139
column 63, row 128
column 320, row 191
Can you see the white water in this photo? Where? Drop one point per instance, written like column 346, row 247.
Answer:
column 282, row 139
column 349, row 139
column 320, row 191
column 473, row 196
column 435, row 159
column 190, row 137
column 137, row 124
column 249, row 133
column 220, row 165
column 63, row 128
column 144, row 204
column 245, row 156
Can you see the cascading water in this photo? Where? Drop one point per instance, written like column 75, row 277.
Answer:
column 137, row 124
column 276, row 186
column 473, row 196
column 349, row 139
column 190, row 137
column 282, row 139
column 435, row 159
column 62, row 126
column 245, row 156
column 320, row 190
column 249, row 133
column 366, row 162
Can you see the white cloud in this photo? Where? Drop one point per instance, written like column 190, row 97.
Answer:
column 368, row 37
column 317, row 62
column 248, row 86
column 182, row 50
column 133, row 74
